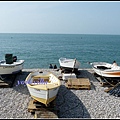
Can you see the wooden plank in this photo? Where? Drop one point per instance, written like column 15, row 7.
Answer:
column 32, row 107
column 45, row 114
column 4, row 85
column 78, row 83
column 41, row 111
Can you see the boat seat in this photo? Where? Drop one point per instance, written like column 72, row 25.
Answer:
column 44, row 86
column 40, row 79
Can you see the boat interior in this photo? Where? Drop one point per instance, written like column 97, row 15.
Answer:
column 38, row 79
column 43, row 82
column 103, row 67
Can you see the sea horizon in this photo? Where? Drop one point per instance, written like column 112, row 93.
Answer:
column 58, row 33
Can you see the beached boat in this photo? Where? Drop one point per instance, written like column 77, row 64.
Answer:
column 10, row 65
column 12, row 68
column 106, row 69
column 43, row 87
column 69, row 63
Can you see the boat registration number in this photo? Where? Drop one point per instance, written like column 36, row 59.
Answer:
column 8, row 67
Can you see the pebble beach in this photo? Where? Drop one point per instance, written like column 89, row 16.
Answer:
column 70, row 103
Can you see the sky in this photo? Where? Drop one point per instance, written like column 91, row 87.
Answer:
column 61, row 17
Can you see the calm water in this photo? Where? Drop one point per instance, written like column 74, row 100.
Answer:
column 39, row 50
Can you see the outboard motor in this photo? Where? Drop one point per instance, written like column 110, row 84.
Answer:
column 14, row 58
column 9, row 58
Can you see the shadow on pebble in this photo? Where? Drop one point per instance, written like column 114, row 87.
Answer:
column 69, row 105
column 19, row 83
column 87, row 74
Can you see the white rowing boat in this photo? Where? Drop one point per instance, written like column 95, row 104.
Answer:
column 69, row 63
column 43, row 87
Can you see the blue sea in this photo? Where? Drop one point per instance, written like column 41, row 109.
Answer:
column 39, row 50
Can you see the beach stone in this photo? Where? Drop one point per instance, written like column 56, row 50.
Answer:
column 70, row 103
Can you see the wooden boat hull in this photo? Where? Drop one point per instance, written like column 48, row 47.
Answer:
column 13, row 68
column 106, row 69
column 107, row 74
column 42, row 95
column 43, row 92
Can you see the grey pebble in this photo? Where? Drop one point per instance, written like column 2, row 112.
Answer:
column 93, row 103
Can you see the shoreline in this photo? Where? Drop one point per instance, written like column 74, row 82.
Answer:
column 71, row 103
column 57, row 70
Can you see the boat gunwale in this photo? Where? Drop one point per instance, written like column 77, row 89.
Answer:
column 19, row 62
column 37, row 85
